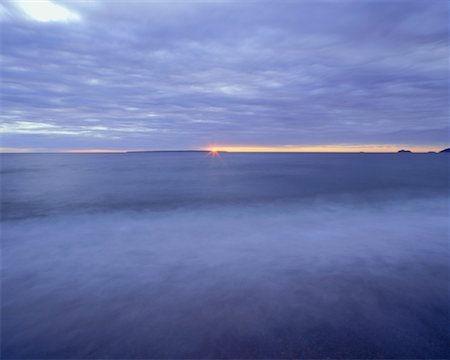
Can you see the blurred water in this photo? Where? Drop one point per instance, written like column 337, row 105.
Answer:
column 182, row 255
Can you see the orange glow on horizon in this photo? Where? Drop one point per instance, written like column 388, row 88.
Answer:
column 322, row 148
column 215, row 150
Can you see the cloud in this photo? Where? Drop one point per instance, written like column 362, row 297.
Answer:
column 45, row 11
column 296, row 73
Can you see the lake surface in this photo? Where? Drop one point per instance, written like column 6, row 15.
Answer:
column 185, row 255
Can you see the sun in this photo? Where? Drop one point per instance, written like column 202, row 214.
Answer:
column 213, row 152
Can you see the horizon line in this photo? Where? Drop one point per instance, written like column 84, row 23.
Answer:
column 375, row 148
column 107, row 151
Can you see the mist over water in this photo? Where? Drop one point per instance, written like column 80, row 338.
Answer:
column 181, row 255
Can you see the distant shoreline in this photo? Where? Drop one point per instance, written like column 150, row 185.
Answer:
column 169, row 151
column 227, row 152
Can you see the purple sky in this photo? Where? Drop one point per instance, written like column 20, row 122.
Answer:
column 181, row 74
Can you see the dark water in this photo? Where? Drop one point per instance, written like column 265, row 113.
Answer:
column 175, row 255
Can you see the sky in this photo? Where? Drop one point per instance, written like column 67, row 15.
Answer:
column 233, row 75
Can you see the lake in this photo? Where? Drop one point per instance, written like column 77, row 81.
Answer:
column 258, row 255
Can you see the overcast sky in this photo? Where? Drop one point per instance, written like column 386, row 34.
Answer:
column 188, row 74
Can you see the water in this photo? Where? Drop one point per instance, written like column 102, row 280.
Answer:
column 181, row 255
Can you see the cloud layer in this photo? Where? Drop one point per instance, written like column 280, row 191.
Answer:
column 157, row 75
